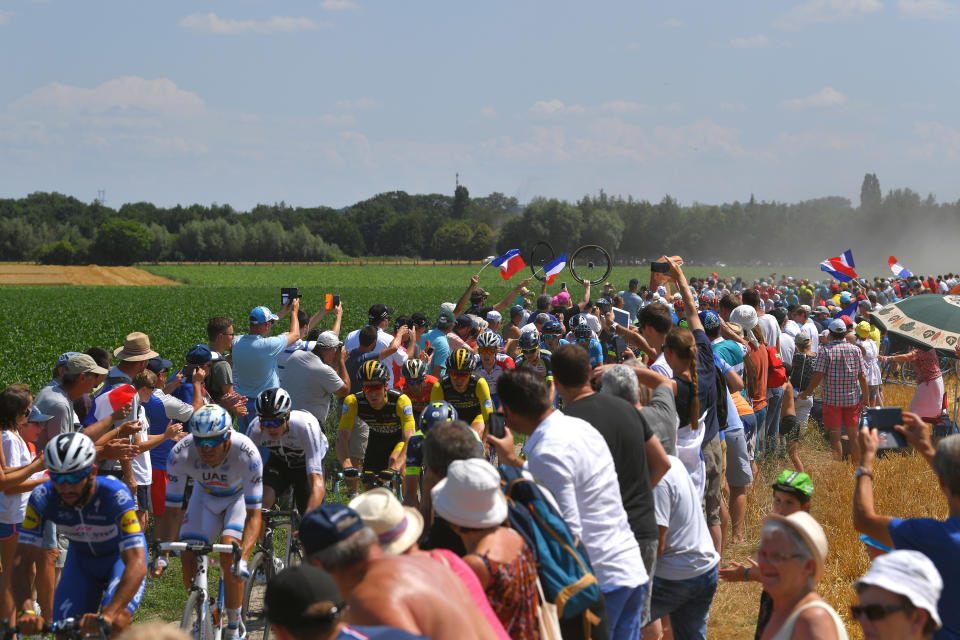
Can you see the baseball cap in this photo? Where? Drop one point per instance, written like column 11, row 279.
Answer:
column 292, row 593
column 261, row 315
column 837, row 326
column 494, row 316
column 199, row 354
column 910, row 574
column 327, row 525
column 445, row 320
column 82, row 363
column 418, row 319
column 464, row 321
column 62, row 360
column 516, row 310
column 397, row 527
column 745, row 316
column 801, row 338
column 863, row 329
column 709, row 319
column 158, row 364
column 37, row 416
column 328, row 340
column 604, row 302
column 560, row 299
column 378, row 312
column 821, row 309
column 478, row 294
column 795, row 482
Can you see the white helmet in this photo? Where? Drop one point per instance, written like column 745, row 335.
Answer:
column 69, row 452
column 209, row 421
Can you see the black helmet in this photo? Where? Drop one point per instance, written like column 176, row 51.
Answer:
column 273, row 403
column 374, row 371
column 415, row 369
column 462, row 360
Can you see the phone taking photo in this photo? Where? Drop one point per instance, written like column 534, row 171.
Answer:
column 660, row 267
column 498, row 425
column 883, row 419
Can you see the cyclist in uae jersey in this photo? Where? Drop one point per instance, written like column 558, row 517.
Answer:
column 466, row 391
column 492, row 362
column 389, row 415
column 106, row 565
column 417, row 384
column 296, row 444
column 532, row 357
column 227, row 474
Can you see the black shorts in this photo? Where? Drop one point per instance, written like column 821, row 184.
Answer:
column 143, row 498
column 379, row 448
column 279, row 477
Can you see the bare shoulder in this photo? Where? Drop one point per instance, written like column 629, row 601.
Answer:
column 815, row 622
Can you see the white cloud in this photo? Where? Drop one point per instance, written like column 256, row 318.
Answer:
column 826, row 97
column 750, row 42
column 733, row 107
column 929, row 9
column 338, row 5
column 338, row 120
column 212, row 23
column 623, row 106
column 555, row 107
column 360, row 104
column 488, row 112
column 130, row 94
column 636, row 46
column 674, row 23
column 5, row 17
column 793, row 143
column 824, row 11
column 939, row 139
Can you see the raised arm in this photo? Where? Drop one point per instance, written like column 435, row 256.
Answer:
column 689, row 308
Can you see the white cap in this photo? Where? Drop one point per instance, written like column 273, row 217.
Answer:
column 910, row 574
column 448, row 306
column 745, row 316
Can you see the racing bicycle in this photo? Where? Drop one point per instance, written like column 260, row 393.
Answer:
column 66, row 629
column 387, row 478
column 267, row 562
column 203, row 615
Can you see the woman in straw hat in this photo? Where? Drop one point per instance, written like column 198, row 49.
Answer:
column 791, row 557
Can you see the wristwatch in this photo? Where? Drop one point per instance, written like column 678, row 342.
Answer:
column 861, row 471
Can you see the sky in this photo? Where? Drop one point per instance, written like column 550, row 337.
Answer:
column 328, row 102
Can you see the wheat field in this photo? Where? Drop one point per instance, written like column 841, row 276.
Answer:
column 905, row 487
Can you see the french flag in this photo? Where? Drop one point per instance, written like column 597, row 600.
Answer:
column 898, row 269
column 840, row 267
column 553, row 268
column 509, row 263
column 109, row 401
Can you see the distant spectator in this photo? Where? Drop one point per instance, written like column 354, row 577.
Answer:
column 313, row 377
column 220, row 336
column 378, row 317
column 436, row 339
column 631, row 299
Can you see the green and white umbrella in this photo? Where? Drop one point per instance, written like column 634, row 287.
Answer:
column 929, row 320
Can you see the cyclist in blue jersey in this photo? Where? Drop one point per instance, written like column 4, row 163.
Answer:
column 550, row 336
column 106, row 565
column 583, row 336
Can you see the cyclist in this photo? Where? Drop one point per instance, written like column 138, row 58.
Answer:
column 466, row 390
column 583, row 336
column 389, row 415
column 417, row 384
column 106, row 565
column 296, row 444
column 227, row 475
column 531, row 357
column 433, row 413
column 492, row 362
column 550, row 337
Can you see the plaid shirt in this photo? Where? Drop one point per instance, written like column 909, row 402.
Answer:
column 841, row 364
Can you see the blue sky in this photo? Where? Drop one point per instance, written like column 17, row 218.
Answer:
column 332, row 101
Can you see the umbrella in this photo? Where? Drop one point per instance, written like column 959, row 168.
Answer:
column 929, row 320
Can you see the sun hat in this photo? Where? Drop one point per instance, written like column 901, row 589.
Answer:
column 709, row 319
column 82, row 363
column 812, row 534
column 910, row 574
column 136, row 347
column 292, row 592
column 397, row 527
column 863, row 329
column 745, row 316
column 327, row 525
column 262, row 315
column 470, row 495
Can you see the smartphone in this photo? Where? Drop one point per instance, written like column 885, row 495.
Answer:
column 660, row 267
column 497, row 426
column 188, row 372
column 336, row 300
column 883, row 420
column 563, row 285
column 619, row 346
column 287, row 294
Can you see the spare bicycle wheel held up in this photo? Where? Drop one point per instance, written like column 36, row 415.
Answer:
column 540, row 255
column 590, row 263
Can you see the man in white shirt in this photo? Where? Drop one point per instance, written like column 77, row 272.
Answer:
column 378, row 316
column 571, row 459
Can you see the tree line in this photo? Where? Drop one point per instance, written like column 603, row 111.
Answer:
column 57, row 229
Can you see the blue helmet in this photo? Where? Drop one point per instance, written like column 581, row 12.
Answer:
column 210, row 421
column 529, row 339
column 552, row 328
column 582, row 331
column 435, row 413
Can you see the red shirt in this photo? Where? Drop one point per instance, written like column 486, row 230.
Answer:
column 421, row 401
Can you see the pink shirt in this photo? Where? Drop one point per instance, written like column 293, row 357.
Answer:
column 472, row 582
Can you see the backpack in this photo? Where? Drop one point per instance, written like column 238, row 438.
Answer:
column 562, row 564
column 776, row 372
column 944, row 427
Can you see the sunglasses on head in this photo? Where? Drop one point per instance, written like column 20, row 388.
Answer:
column 75, row 477
column 210, row 443
column 875, row 611
column 274, row 423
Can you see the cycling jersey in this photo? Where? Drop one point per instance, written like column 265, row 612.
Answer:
column 502, row 363
column 303, row 446
column 471, row 403
column 99, row 531
column 239, row 473
column 388, row 425
column 541, row 367
column 421, row 401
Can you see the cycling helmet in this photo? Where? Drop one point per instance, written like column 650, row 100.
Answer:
column 374, row 371
column 461, row 360
column 414, row 369
column 273, row 403
column 552, row 328
column 576, row 321
column 69, row 453
column 795, row 482
column 582, row 332
column 435, row 413
column 210, row 421
column 529, row 339
column 488, row 340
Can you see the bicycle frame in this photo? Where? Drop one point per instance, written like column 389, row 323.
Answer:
column 200, row 583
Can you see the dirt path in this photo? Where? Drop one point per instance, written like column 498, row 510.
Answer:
column 35, row 274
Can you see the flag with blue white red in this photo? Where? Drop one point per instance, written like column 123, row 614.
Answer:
column 553, row 268
column 509, row 263
column 840, row 267
column 898, row 269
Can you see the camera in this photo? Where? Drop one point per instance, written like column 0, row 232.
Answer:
column 288, row 294
column 660, row 267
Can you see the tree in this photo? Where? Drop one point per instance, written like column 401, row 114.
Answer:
column 870, row 197
column 61, row 252
column 451, row 240
column 461, row 201
column 120, row 242
column 161, row 242
column 481, row 243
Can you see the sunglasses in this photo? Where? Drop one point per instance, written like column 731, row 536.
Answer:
column 272, row 424
column 488, row 350
column 875, row 611
column 530, row 350
column 417, row 381
column 70, row 478
column 460, row 374
column 210, row 443
column 373, row 387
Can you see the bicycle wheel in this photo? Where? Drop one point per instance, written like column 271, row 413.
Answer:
column 254, row 591
column 196, row 619
column 590, row 263
column 541, row 254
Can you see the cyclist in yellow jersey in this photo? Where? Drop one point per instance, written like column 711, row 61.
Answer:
column 389, row 415
column 466, row 391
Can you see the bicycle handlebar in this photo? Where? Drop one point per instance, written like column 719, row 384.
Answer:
column 70, row 627
column 198, row 547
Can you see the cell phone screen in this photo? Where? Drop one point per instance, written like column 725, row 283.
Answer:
column 498, row 425
column 884, row 417
column 659, row 267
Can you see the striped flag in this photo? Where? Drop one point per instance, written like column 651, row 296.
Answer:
column 109, row 401
column 898, row 269
column 553, row 268
column 509, row 263
column 840, row 267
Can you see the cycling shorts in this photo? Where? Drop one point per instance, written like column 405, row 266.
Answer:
column 280, row 477
column 379, row 448
column 207, row 518
column 88, row 583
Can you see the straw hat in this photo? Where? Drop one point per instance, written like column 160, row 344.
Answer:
column 470, row 495
column 811, row 532
column 397, row 527
column 135, row 348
